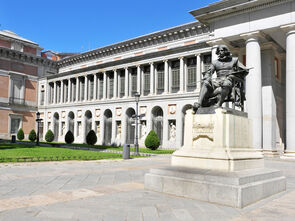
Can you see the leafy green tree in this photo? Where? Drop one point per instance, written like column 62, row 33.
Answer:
column 20, row 134
column 32, row 135
column 49, row 136
column 91, row 138
column 152, row 141
column 69, row 138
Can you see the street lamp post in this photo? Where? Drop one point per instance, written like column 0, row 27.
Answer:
column 137, row 95
column 38, row 120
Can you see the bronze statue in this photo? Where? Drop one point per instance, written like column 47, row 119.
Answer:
column 229, row 84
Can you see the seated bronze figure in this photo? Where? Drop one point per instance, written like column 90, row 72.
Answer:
column 229, row 84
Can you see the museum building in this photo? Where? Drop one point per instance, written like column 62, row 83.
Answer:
column 95, row 90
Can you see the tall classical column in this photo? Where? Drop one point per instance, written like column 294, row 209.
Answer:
column 253, row 90
column 77, row 89
column 181, row 75
column 166, row 76
column 290, row 91
column 185, row 81
column 69, row 90
column 95, row 87
column 104, row 85
column 152, row 77
column 54, row 92
column 61, row 91
column 138, row 78
column 115, row 85
column 86, row 88
column 198, row 72
column 126, row 81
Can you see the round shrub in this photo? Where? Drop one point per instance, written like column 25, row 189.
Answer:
column 152, row 141
column 69, row 138
column 49, row 136
column 32, row 135
column 20, row 134
column 91, row 138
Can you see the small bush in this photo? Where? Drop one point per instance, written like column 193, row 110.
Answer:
column 152, row 141
column 69, row 138
column 20, row 134
column 32, row 135
column 49, row 136
column 91, row 138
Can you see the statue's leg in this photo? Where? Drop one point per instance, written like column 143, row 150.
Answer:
column 222, row 95
column 203, row 93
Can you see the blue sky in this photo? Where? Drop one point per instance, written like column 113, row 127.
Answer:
column 77, row 26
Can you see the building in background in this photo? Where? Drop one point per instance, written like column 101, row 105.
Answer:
column 95, row 90
column 21, row 65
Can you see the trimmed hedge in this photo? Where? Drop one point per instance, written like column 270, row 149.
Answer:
column 20, row 134
column 49, row 136
column 152, row 141
column 32, row 135
column 69, row 138
column 91, row 138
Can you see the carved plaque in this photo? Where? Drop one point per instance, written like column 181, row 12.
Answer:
column 118, row 111
column 97, row 112
column 142, row 110
column 79, row 113
column 172, row 109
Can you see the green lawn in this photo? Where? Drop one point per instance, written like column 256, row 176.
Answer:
column 22, row 152
column 141, row 150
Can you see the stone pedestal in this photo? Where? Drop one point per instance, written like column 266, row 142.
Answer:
column 217, row 163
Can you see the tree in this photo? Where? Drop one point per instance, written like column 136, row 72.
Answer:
column 69, row 138
column 91, row 138
column 32, row 135
column 152, row 141
column 49, row 136
column 20, row 134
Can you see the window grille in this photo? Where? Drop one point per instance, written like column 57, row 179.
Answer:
column 133, row 84
column 111, row 87
column 175, row 77
column 191, row 74
column 146, row 86
column 122, row 85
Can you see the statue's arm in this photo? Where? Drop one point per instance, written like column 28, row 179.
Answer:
column 208, row 75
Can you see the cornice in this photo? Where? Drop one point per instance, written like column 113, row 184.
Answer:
column 213, row 12
column 25, row 57
column 156, row 38
column 102, row 66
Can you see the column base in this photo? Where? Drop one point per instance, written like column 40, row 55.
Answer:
column 271, row 153
column 288, row 155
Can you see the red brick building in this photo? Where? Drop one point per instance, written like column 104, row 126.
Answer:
column 21, row 65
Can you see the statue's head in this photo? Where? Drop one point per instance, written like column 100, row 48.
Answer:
column 222, row 51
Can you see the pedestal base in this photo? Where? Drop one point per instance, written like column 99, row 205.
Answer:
column 235, row 189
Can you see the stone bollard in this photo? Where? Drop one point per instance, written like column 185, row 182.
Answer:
column 126, row 151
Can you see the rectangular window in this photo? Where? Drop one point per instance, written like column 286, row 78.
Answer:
column 160, row 78
column 17, row 89
column 79, row 128
column 111, row 87
column 146, row 83
column 42, row 97
column 82, row 90
column 175, row 76
column 133, row 83
column 206, row 62
column 91, row 88
column 14, row 124
column 74, row 91
column 122, row 85
column 191, row 74
column 58, row 92
column 65, row 92
column 100, row 88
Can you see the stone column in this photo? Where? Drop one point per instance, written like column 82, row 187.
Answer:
column 115, row 83
column 86, row 88
column 166, row 77
column 126, row 82
column 77, row 89
column 185, row 75
column 198, row 71
column 124, row 129
column 179, row 127
column 113, row 139
column 69, row 90
column 104, row 85
column 54, row 92
column 152, row 77
column 181, row 75
column 165, row 127
column 138, row 78
column 95, row 87
column 119, row 85
column 61, row 91
column 290, row 91
column 253, row 90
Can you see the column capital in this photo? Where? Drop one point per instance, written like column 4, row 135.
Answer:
column 288, row 28
column 253, row 36
column 165, row 60
column 180, row 58
column 197, row 54
column 114, row 69
column 138, row 65
column 151, row 63
column 126, row 68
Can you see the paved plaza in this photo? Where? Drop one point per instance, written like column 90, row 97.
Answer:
column 114, row 190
